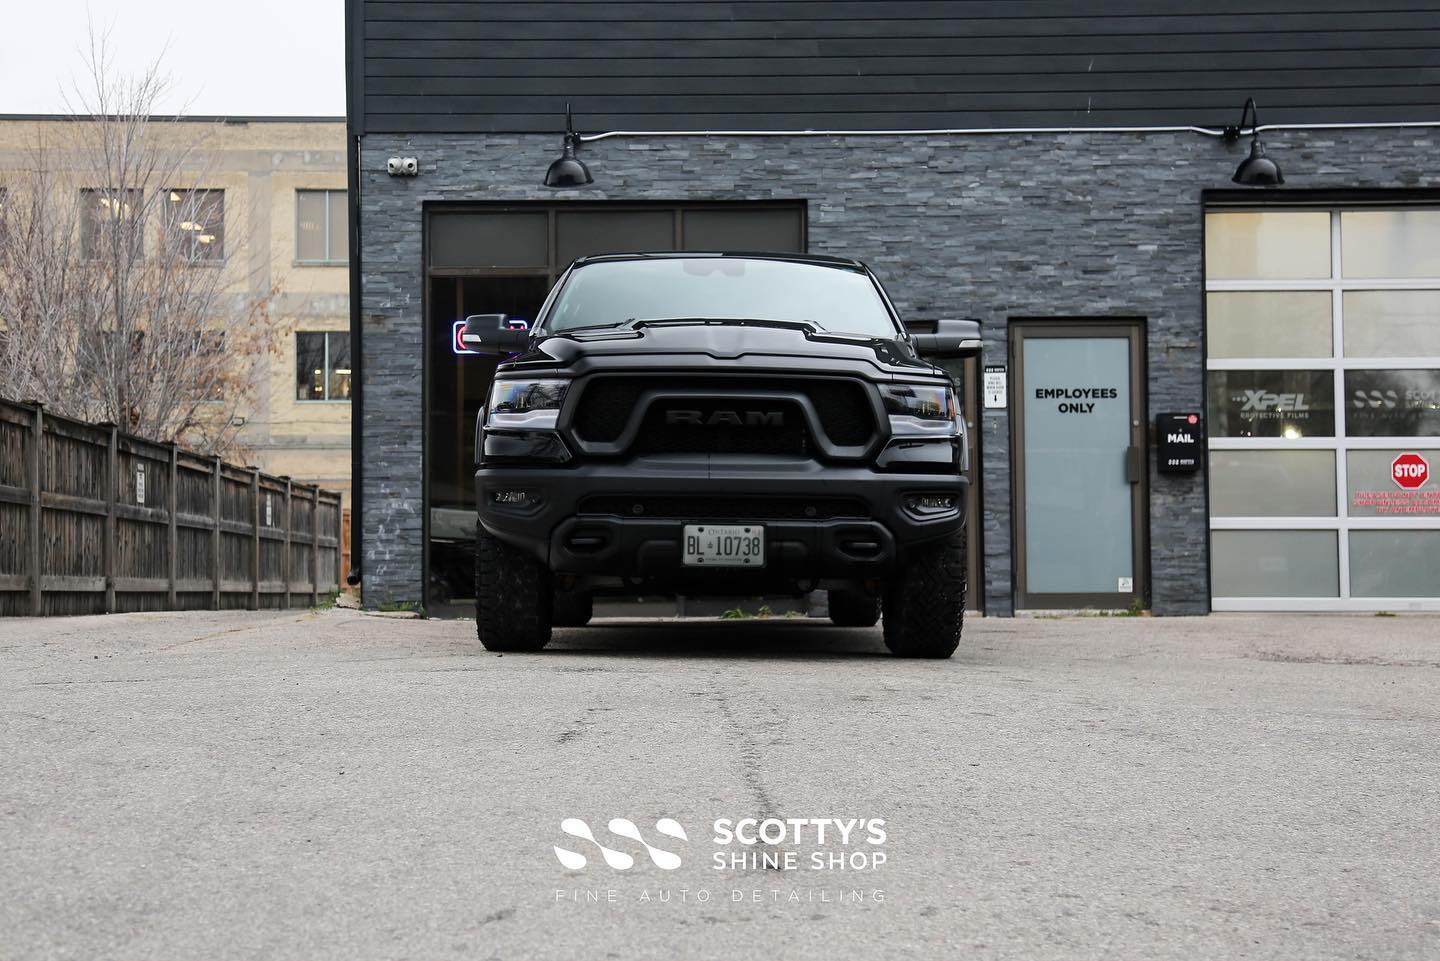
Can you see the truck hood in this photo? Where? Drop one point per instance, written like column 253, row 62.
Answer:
column 750, row 345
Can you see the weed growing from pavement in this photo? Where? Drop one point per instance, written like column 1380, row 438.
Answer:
column 1136, row 609
column 327, row 601
column 763, row 612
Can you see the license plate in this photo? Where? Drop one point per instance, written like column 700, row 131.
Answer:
column 710, row 545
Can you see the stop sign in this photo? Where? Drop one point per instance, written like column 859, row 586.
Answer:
column 1410, row 471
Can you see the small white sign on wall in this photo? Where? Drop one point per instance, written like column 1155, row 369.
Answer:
column 993, row 386
column 140, row 483
column 1127, row 585
column 269, row 512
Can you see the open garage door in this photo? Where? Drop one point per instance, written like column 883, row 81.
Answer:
column 503, row 258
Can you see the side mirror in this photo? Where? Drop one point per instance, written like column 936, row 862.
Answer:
column 491, row 334
column 952, row 338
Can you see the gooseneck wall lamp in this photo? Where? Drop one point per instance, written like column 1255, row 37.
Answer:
column 1256, row 170
column 568, row 170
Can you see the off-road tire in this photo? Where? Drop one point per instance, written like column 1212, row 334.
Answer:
column 512, row 596
column 925, row 602
column 572, row 609
column 851, row 608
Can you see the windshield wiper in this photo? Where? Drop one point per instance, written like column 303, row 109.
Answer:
column 813, row 326
column 607, row 326
column 809, row 325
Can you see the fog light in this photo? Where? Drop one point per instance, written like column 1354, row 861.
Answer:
column 930, row 504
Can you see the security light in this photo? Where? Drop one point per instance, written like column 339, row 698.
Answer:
column 1256, row 170
column 568, row 170
column 402, row 166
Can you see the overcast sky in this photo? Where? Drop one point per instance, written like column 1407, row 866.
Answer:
column 234, row 57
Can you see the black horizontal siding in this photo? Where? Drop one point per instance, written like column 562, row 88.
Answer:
column 486, row 66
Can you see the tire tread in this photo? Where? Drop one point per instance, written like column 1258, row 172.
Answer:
column 925, row 604
column 512, row 596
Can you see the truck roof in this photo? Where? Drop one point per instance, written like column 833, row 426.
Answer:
column 820, row 260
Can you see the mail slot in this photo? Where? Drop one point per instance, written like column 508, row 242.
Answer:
column 1179, row 442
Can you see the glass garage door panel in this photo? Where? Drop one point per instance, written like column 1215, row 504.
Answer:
column 1395, row 563
column 1078, row 502
column 1275, row 563
column 721, row 229
column 1269, row 323
column 1272, row 483
column 584, row 233
column 1390, row 243
column 489, row 239
column 1392, row 323
column 1374, row 492
column 1267, row 245
column 1393, row 403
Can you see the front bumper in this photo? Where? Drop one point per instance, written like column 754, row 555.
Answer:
column 552, row 525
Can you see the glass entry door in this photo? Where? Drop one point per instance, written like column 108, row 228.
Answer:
column 1079, row 451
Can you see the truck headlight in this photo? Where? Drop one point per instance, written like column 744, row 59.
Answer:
column 532, row 404
column 920, row 409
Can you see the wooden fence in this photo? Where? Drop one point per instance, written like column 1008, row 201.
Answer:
column 93, row 520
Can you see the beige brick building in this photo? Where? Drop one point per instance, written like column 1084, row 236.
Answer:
column 284, row 233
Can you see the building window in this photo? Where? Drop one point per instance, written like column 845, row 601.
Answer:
column 109, row 220
column 321, row 228
column 1323, row 358
column 322, row 365
column 195, row 223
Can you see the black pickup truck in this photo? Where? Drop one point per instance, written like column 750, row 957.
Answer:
column 726, row 424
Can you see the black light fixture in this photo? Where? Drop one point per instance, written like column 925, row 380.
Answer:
column 568, row 170
column 1256, row 170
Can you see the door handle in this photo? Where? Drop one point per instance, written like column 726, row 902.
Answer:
column 1133, row 465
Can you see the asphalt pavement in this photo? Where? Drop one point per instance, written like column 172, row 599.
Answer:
column 331, row 785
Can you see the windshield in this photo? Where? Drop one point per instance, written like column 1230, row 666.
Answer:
column 614, row 293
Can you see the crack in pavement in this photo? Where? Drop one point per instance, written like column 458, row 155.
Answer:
column 228, row 631
column 750, row 758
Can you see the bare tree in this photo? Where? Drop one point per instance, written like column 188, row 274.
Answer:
column 41, row 288
column 115, row 300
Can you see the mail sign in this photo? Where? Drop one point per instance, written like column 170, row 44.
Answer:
column 1179, row 443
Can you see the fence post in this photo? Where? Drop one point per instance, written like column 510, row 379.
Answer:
column 339, row 543
column 217, row 514
column 112, row 497
column 315, row 546
column 37, row 477
column 255, row 538
column 343, row 541
column 286, row 566
column 174, row 532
